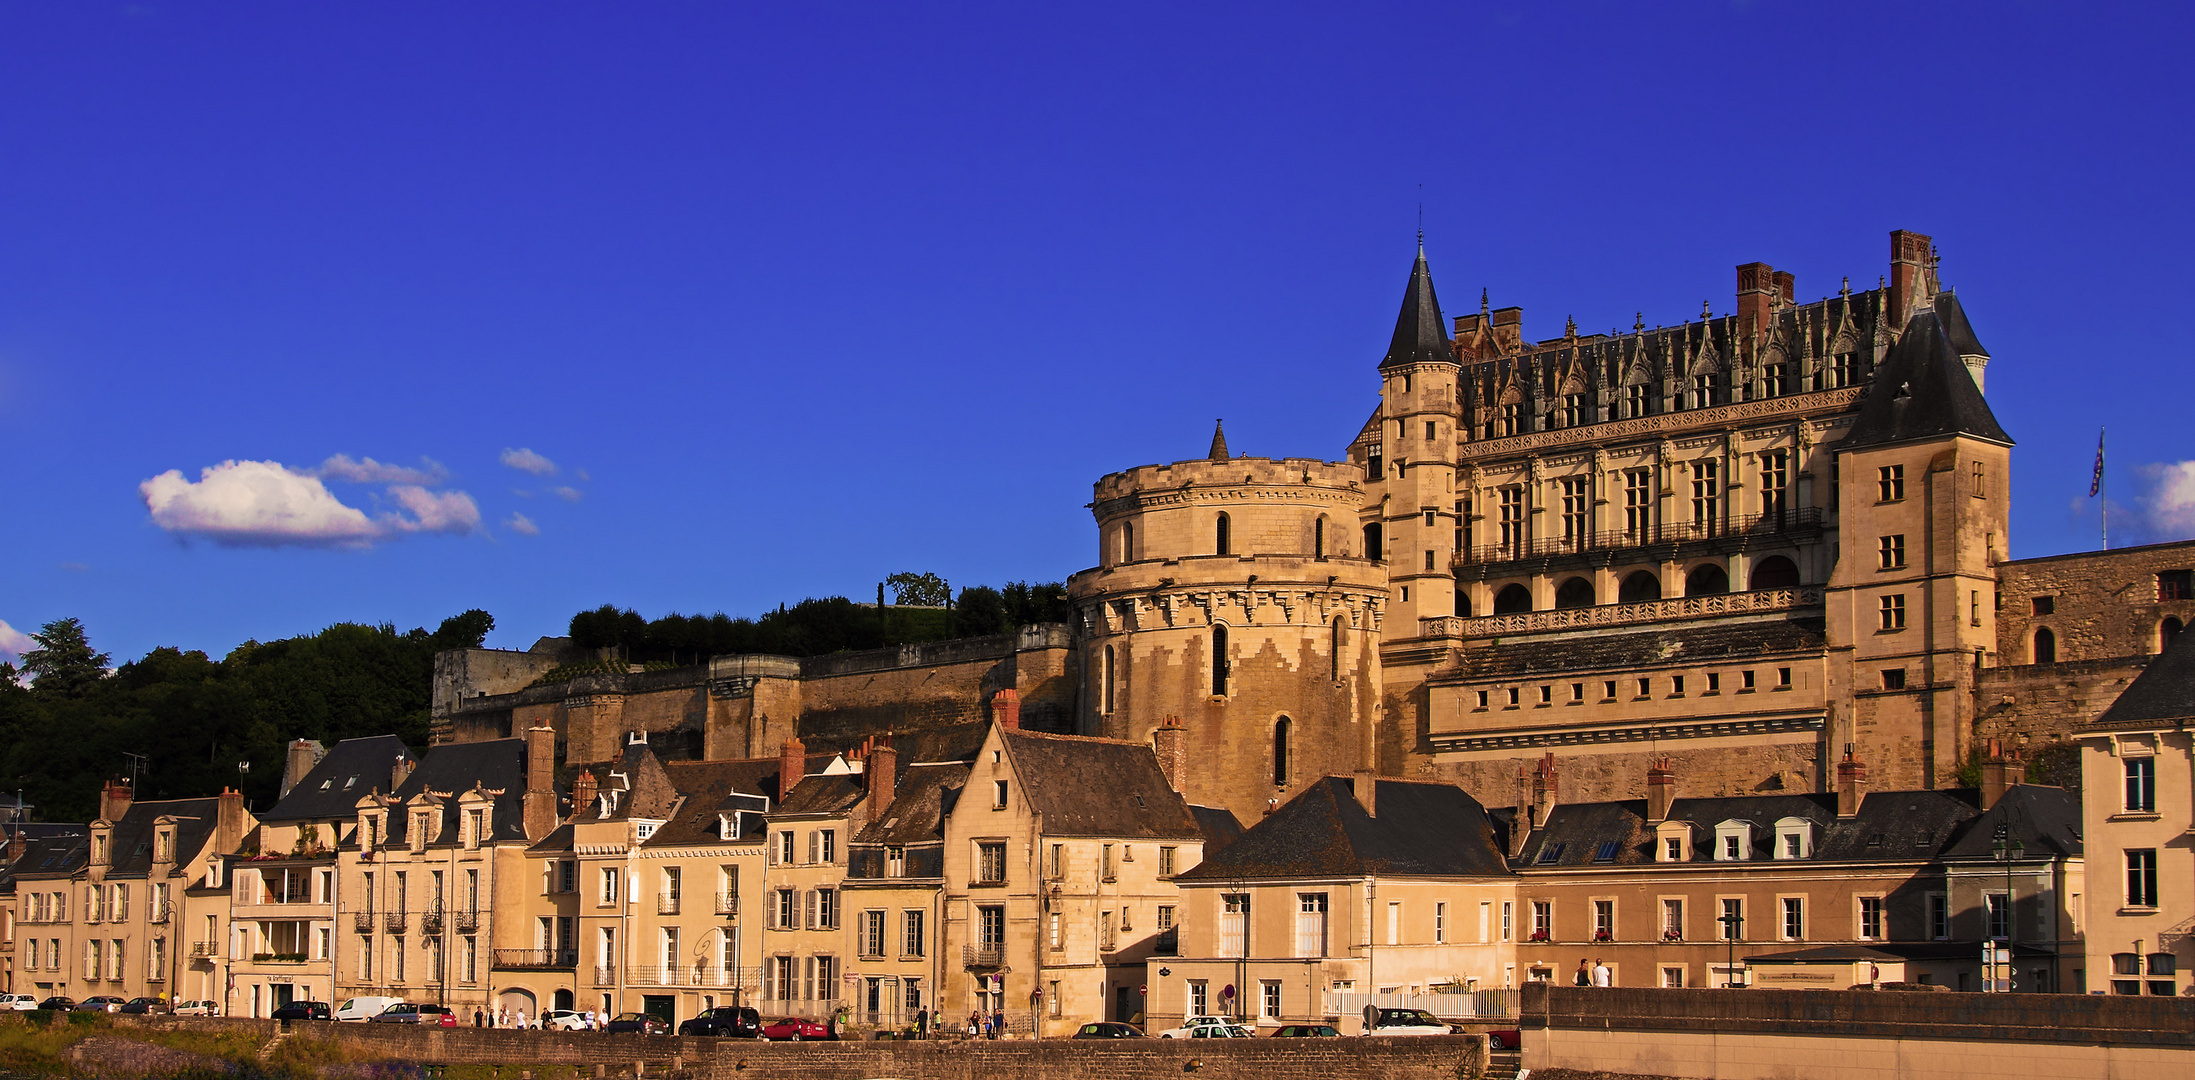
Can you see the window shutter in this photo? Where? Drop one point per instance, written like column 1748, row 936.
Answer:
column 815, row 843
column 811, row 920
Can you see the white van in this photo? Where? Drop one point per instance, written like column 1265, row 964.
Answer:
column 361, row 1009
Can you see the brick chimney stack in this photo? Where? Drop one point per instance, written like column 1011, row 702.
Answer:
column 114, row 800
column 18, row 843
column 1006, row 709
column 228, row 823
column 298, row 760
column 583, row 791
column 1661, row 790
column 1756, row 305
column 1366, row 787
column 2001, row 772
column 1520, row 827
column 882, row 774
column 1851, row 784
column 1912, row 276
column 792, row 764
column 1543, row 790
column 401, row 771
column 539, row 806
column 1170, row 741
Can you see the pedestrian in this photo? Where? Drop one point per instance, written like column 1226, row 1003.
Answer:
column 522, row 1017
column 922, row 1023
column 1584, row 976
column 480, row 1017
column 975, row 1022
column 1601, row 975
column 998, row 1025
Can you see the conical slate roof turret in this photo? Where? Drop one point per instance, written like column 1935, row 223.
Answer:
column 1923, row 390
column 1219, row 441
column 1419, row 335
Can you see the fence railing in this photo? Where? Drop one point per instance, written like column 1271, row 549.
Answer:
column 605, row 975
column 727, row 903
column 982, row 956
column 666, row 904
column 467, row 922
column 395, row 921
column 1644, row 611
column 1666, row 532
column 535, row 958
column 203, row 949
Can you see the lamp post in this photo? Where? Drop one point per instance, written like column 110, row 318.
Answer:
column 2009, row 849
column 1732, row 924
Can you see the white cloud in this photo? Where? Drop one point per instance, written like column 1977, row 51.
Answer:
column 523, row 525
column 568, row 494
column 14, row 643
column 265, row 503
column 525, row 460
column 369, row 471
column 2169, row 508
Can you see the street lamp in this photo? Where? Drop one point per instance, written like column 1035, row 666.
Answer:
column 2009, row 849
column 1733, row 923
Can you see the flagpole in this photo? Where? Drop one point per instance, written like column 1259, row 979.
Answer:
column 2103, row 499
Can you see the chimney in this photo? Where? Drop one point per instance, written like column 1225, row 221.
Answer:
column 1787, row 288
column 1756, row 281
column 114, row 800
column 302, row 755
column 1543, row 789
column 228, row 824
column 792, row 764
column 539, row 805
column 1661, row 790
column 882, row 774
column 1508, row 326
column 401, row 771
column 1851, row 784
column 583, row 794
column 1520, row 828
column 1367, row 789
column 1910, row 276
column 18, row 843
column 1170, row 741
column 2000, row 773
column 1006, row 709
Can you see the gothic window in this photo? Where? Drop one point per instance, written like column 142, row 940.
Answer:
column 1890, row 483
column 1280, row 752
column 1639, row 587
column 1703, row 390
column 1706, row 496
column 1635, row 400
column 1573, row 410
column 2046, row 646
column 1892, row 612
column 1318, row 537
column 1512, row 419
column 1574, row 593
column 1575, row 499
column 1220, row 539
column 1334, row 648
column 1220, row 662
column 1775, row 484
column 1844, row 369
column 1638, row 505
column 1775, row 380
column 1109, row 675
column 1512, row 599
column 1707, row 579
column 1374, row 549
column 1512, row 522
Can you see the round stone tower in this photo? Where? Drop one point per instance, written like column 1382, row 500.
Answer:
column 1231, row 595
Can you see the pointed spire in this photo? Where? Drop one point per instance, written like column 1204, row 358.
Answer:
column 1482, row 300
column 1419, row 335
column 1219, row 441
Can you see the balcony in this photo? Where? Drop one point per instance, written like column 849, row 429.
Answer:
column 467, row 922
column 992, row 955
column 605, row 975
column 727, row 903
column 666, row 904
column 362, row 922
column 394, row 921
column 535, row 959
column 1758, row 601
column 205, row 950
column 430, row 922
column 159, row 913
column 1802, row 523
column 1168, row 942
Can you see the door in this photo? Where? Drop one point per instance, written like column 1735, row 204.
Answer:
column 664, row 1006
column 1126, row 1008
column 283, row 992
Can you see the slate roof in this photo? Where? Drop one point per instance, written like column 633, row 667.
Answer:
column 454, row 768
column 1433, row 830
column 1219, row 441
column 1890, row 825
column 703, row 787
column 350, row 770
column 1097, row 787
column 925, row 795
column 2046, row 820
column 1676, row 645
column 2164, row 693
column 132, row 843
column 1420, row 334
column 1955, row 326
column 1218, row 825
column 1923, row 390
column 51, row 855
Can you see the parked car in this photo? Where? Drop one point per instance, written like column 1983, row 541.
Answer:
column 731, row 1021
column 564, row 1020
column 1221, row 1030
column 1109, row 1030
column 197, row 1007
column 1305, row 1031
column 794, row 1029
column 59, row 1003
column 405, row 1012
column 144, row 1006
column 304, row 1010
column 1378, row 1021
column 1504, row 1040
column 362, row 1009
column 636, row 1023
column 100, row 1003
column 17, row 1002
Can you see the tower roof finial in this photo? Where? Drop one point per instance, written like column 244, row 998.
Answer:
column 1419, row 335
column 1219, row 441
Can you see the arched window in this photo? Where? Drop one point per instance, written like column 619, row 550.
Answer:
column 1707, row 579
column 1512, row 599
column 1280, row 753
column 1220, row 538
column 1108, row 678
column 1775, row 572
column 1638, row 587
column 1574, row 593
column 2166, row 631
column 1333, row 650
column 1219, row 661
column 1318, row 538
column 2046, row 646
column 1373, row 548
column 1128, row 541
column 1463, row 604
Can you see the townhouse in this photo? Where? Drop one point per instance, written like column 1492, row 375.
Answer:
column 2138, row 772
column 34, row 902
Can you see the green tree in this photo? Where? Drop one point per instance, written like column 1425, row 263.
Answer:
column 64, row 663
column 979, row 611
column 465, row 630
column 921, row 590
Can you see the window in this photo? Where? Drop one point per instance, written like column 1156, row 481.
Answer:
column 1939, row 917
column 2042, row 605
column 998, row 794
column 1714, row 682
column 1638, row 505
column 1608, row 690
column 1893, row 678
column 1871, row 918
column 1577, row 691
column 1672, row 978
column 1676, row 686
column 1318, row 538
column 2046, row 646
column 1280, row 752
column 826, row 909
column 1974, row 607
column 1604, row 920
column 785, row 848
column 1220, row 544
column 1512, row 418
column 1429, row 561
column 1166, row 862
column 1512, row 522
column 1220, row 661
column 1706, row 495
column 609, row 885
column 1733, row 919
column 1105, row 862
column 1890, row 552
column 1890, row 483
column 1199, row 999
column 1508, row 919
column 1573, row 410
column 1269, row 998
column 1634, row 400
column 2141, row 878
column 1543, row 920
column 1551, row 853
column 991, row 863
column 1672, row 919
column 1892, row 612
column 2176, row 585
column 1732, row 849
column 1233, row 924
column 1165, row 917
column 1576, row 498
column 1440, row 922
column 787, row 910
column 2126, row 963
column 1775, row 480
column 912, row 939
column 1998, row 906
column 1128, row 542
column 872, row 933
column 1783, row 678
column 1703, row 390
column 895, row 862
column 2141, row 785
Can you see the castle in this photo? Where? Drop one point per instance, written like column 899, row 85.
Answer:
column 1749, row 545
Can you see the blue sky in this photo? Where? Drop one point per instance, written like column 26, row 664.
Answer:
column 777, row 300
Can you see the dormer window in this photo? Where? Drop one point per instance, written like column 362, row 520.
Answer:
column 419, row 836
column 1794, row 838
column 1734, row 841
column 99, row 848
column 644, row 829
column 727, row 826
column 1673, row 842
column 476, row 827
column 164, row 846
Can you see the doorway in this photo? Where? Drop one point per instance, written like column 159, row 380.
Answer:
column 1126, row 1008
column 662, row 1006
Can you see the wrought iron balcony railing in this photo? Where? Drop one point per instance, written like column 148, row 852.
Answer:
column 1676, row 532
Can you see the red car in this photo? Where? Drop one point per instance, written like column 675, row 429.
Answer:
column 1504, row 1040
column 794, row 1029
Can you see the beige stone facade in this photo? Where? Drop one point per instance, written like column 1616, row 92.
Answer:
column 2138, row 770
